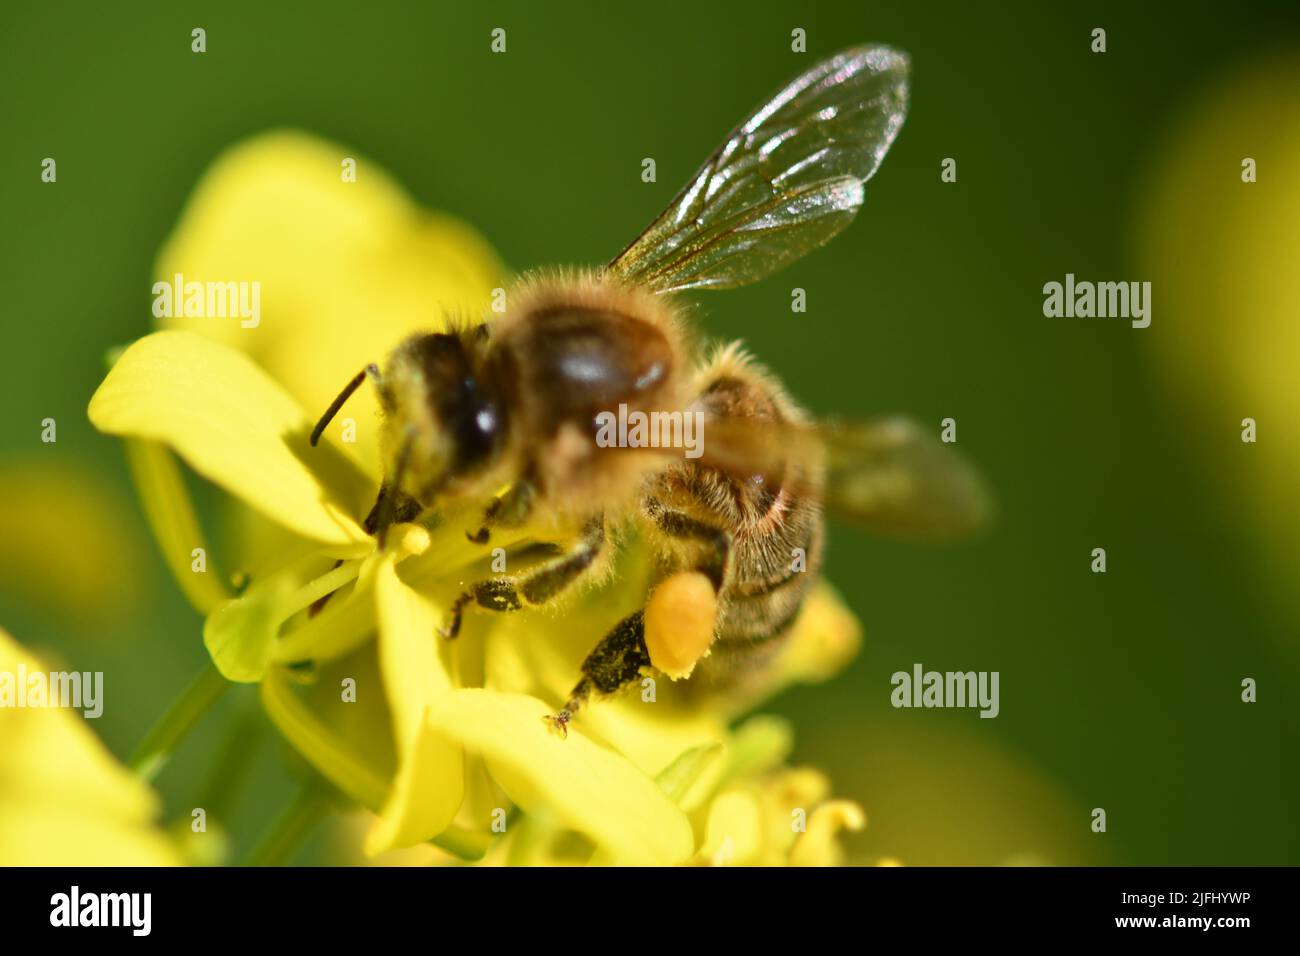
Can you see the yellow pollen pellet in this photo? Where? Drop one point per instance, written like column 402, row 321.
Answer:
column 679, row 620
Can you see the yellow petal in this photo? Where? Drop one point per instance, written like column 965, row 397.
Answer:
column 347, row 766
column 411, row 654
column 430, row 783
column 825, row 638
column 235, row 426
column 454, row 844
column 788, row 795
column 64, row 799
column 651, row 736
column 533, row 653
column 690, row 776
column 758, row 745
column 539, row 654
column 346, row 269
column 42, row 834
column 587, row 787
column 424, row 797
column 819, row 845
column 733, row 835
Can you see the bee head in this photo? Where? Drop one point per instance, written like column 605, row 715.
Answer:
column 444, row 425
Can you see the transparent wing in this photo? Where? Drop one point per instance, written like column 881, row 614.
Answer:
column 888, row 477
column 786, row 180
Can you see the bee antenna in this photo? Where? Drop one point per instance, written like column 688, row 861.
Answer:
column 372, row 370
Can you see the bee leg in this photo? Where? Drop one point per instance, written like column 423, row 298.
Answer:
column 483, row 534
column 509, row 511
column 621, row 656
column 617, row 661
column 677, row 524
column 394, row 503
column 538, row 586
column 404, row 508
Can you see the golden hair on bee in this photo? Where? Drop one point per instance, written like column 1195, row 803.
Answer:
column 514, row 410
column 571, row 345
column 764, row 394
column 548, row 291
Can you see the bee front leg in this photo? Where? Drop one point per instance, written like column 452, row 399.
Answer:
column 509, row 511
column 393, row 507
column 538, row 586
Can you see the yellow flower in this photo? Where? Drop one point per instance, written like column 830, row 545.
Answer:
column 64, row 800
column 1216, row 235
column 442, row 740
column 67, row 548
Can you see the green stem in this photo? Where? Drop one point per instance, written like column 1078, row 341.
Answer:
column 179, row 719
column 234, row 757
column 292, row 827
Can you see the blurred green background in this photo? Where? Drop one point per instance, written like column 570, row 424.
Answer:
column 1119, row 691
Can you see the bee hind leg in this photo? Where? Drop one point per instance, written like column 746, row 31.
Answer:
column 716, row 543
column 617, row 661
column 622, row 655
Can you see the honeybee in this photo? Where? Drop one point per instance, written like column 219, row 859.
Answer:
column 516, row 402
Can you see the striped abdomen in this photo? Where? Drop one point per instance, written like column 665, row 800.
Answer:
column 776, row 535
column 773, row 563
